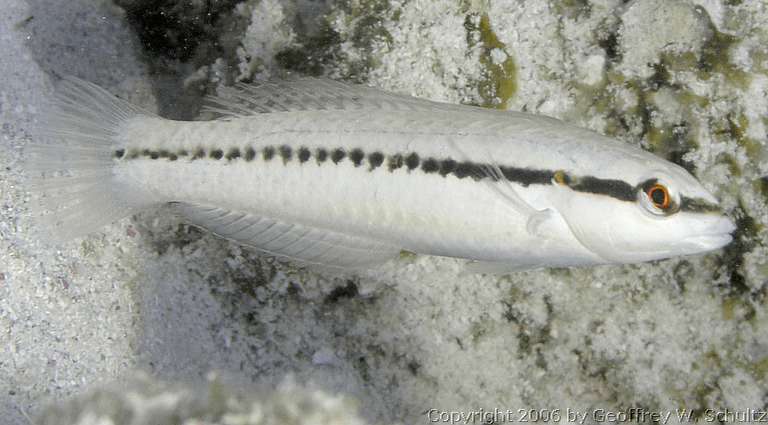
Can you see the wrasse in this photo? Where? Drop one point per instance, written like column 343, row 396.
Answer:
column 328, row 174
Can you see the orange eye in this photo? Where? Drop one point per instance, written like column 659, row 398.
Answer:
column 659, row 196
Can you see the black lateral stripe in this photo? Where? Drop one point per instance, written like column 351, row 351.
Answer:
column 268, row 153
column 698, row 205
column 286, row 153
column 322, row 155
column 526, row 176
column 250, row 153
column 233, row 153
column 304, row 154
column 357, row 156
column 447, row 166
column 412, row 161
column 444, row 167
column 618, row 189
column 469, row 169
column 337, row 155
column 430, row 165
column 375, row 160
column 394, row 162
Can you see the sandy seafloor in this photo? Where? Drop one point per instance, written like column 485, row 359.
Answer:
column 150, row 321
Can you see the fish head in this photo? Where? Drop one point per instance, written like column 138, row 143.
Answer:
column 645, row 215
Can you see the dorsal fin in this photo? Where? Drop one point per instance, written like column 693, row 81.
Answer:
column 313, row 94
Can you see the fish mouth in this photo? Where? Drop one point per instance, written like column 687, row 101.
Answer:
column 720, row 236
column 708, row 242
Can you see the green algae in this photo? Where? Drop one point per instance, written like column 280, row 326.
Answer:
column 761, row 186
column 500, row 81
column 712, row 60
column 715, row 59
column 732, row 258
column 734, row 128
column 670, row 140
column 759, row 369
column 737, row 308
column 314, row 54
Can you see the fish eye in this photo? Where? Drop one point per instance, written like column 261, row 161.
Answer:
column 659, row 196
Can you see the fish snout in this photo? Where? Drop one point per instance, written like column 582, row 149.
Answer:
column 715, row 234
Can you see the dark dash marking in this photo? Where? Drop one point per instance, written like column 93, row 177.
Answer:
column 430, row 165
column 268, row 153
column 233, row 153
column 614, row 188
column 357, row 156
column 526, row 176
column 447, row 166
column 412, row 161
column 463, row 169
column 394, row 162
column 304, row 154
column 469, row 169
column 698, row 205
column 322, row 155
column 286, row 153
column 375, row 159
column 337, row 155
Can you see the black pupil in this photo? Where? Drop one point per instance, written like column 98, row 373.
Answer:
column 658, row 196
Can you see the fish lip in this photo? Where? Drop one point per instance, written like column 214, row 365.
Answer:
column 708, row 242
column 720, row 236
column 728, row 226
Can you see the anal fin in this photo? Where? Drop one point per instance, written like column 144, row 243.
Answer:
column 299, row 243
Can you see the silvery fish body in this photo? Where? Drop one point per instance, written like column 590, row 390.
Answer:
column 340, row 176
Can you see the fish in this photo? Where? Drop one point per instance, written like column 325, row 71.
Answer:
column 327, row 174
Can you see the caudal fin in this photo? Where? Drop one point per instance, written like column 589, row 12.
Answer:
column 70, row 164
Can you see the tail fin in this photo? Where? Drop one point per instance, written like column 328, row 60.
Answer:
column 71, row 163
